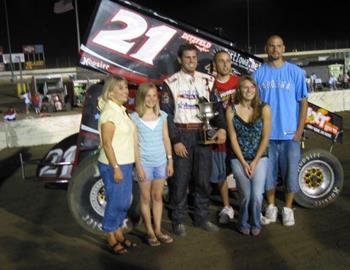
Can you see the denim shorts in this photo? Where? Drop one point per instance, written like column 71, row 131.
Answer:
column 218, row 172
column 155, row 172
column 283, row 155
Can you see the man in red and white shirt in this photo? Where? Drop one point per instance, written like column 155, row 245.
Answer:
column 225, row 85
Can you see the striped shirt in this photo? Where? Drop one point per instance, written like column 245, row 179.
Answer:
column 150, row 140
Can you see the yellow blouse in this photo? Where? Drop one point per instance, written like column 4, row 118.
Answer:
column 123, row 138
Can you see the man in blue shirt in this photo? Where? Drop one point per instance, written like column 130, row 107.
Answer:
column 282, row 85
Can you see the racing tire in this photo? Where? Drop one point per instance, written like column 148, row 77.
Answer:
column 321, row 179
column 86, row 199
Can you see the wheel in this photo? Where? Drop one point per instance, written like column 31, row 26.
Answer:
column 86, row 197
column 320, row 179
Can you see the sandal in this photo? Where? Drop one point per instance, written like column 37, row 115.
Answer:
column 128, row 243
column 164, row 238
column 153, row 241
column 118, row 251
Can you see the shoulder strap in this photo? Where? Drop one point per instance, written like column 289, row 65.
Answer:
column 234, row 109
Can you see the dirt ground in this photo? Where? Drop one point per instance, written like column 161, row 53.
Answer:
column 38, row 231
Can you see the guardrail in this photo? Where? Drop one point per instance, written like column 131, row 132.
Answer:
column 38, row 131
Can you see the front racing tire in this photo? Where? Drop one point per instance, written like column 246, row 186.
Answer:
column 86, row 197
column 321, row 178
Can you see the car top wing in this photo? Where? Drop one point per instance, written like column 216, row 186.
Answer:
column 324, row 123
column 141, row 45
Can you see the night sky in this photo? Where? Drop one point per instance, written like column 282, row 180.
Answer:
column 303, row 24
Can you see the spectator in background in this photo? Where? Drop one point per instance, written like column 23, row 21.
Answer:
column 69, row 98
column 36, row 101
column 26, row 98
column 346, row 80
column 313, row 78
column 10, row 114
column 57, row 103
column 332, row 82
column 340, row 81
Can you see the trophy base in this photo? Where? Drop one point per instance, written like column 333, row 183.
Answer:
column 206, row 136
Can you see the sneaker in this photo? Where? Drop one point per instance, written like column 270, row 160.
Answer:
column 179, row 229
column 256, row 231
column 226, row 215
column 288, row 216
column 271, row 213
column 263, row 220
column 208, row 226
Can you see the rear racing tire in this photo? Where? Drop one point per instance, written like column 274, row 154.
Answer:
column 321, row 179
column 86, row 198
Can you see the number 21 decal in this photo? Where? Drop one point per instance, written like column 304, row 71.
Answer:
column 123, row 40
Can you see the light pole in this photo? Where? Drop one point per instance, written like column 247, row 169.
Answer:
column 9, row 40
column 77, row 24
column 248, row 28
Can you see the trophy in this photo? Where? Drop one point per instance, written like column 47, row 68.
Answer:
column 206, row 112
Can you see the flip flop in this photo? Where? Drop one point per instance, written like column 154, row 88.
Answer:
column 153, row 242
column 164, row 238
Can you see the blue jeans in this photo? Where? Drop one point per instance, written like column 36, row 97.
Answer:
column 218, row 173
column 286, row 156
column 118, row 196
column 251, row 191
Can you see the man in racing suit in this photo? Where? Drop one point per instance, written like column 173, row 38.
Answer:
column 192, row 160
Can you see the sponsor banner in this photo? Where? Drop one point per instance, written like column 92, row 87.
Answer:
column 138, row 43
column 324, row 123
column 39, row 48
column 15, row 57
column 28, row 49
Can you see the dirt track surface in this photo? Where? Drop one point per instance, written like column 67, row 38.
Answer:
column 37, row 230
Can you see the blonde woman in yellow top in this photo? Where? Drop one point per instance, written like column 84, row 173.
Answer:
column 116, row 159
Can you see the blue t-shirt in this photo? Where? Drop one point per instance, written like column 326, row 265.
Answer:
column 152, row 149
column 282, row 88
